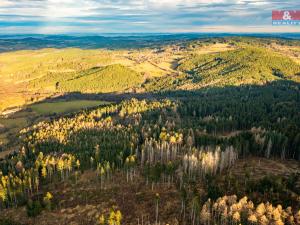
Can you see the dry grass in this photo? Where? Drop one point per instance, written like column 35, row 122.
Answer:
column 291, row 51
column 20, row 67
column 214, row 48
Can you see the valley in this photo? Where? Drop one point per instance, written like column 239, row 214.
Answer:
column 193, row 132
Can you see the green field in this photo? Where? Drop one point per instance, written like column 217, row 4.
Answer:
column 61, row 107
column 12, row 127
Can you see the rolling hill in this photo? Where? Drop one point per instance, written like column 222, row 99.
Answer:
column 242, row 66
column 202, row 133
column 111, row 78
column 245, row 65
column 32, row 75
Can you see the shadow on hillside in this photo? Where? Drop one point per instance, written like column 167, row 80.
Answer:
column 265, row 103
column 276, row 86
column 110, row 97
column 248, row 106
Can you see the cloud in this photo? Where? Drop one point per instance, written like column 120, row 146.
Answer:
column 105, row 16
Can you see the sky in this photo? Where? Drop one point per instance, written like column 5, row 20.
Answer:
column 141, row 16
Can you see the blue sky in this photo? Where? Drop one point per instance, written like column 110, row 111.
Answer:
column 127, row 16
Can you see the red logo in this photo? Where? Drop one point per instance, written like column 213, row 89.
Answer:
column 287, row 15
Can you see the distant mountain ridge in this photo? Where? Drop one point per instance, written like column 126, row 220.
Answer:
column 116, row 41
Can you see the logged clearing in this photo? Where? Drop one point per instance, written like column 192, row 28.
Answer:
column 84, row 202
column 262, row 167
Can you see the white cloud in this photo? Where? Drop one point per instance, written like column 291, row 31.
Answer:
column 151, row 15
column 241, row 29
column 5, row 3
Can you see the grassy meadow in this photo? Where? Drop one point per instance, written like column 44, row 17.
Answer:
column 62, row 107
column 11, row 125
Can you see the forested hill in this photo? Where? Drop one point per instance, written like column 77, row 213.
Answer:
column 32, row 75
column 212, row 137
column 245, row 65
column 248, row 65
column 111, row 78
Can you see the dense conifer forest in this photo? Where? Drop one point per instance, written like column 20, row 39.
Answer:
column 216, row 140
